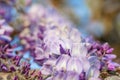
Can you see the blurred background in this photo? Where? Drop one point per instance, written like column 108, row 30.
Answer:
column 100, row 18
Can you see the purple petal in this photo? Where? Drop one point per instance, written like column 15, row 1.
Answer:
column 72, row 76
column 59, row 76
column 5, row 38
column 48, row 67
column 109, row 50
column 78, row 50
column 62, row 62
column 93, row 72
column 105, row 46
column 110, row 56
column 85, row 64
column 74, row 65
column 94, row 61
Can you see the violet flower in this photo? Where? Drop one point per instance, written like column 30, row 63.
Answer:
column 11, row 58
column 74, row 64
column 38, row 38
column 14, row 65
column 104, row 52
column 60, row 50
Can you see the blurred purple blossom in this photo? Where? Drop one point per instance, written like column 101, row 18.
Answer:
column 5, row 31
column 7, row 12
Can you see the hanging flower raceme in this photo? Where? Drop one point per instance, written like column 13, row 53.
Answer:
column 39, row 34
column 14, row 67
column 59, row 49
column 49, row 47
column 12, row 63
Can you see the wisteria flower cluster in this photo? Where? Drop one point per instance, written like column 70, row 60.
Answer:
column 12, row 61
column 55, row 46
